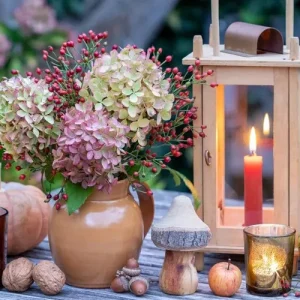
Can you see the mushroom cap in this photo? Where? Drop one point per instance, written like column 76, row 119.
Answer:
column 181, row 229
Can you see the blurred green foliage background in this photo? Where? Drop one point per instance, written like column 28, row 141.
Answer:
column 188, row 18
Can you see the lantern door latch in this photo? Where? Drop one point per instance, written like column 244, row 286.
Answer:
column 207, row 157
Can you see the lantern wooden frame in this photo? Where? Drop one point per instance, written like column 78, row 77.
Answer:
column 282, row 71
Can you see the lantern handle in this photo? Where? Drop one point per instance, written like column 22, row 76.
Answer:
column 289, row 22
column 208, row 157
column 215, row 27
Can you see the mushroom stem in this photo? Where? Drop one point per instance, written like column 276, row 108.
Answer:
column 179, row 275
column 229, row 262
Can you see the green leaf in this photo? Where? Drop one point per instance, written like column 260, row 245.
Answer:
column 56, row 182
column 48, row 173
column 77, row 196
column 189, row 185
column 146, row 174
column 130, row 170
column 176, row 178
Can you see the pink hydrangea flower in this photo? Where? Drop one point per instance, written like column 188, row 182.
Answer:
column 27, row 122
column 35, row 16
column 90, row 147
column 5, row 46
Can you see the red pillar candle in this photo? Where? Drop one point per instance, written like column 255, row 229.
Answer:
column 253, row 184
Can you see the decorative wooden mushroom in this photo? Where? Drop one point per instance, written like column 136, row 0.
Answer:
column 180, row 232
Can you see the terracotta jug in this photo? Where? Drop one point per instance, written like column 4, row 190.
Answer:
column 93, row 243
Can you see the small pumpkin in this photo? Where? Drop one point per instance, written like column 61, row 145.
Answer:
column 28, row 216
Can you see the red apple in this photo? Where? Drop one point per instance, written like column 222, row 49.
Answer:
column 224, row 279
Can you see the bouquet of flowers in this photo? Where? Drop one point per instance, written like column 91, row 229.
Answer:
column 94, row 117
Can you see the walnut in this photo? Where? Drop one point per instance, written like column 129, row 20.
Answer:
column 48, row 277
column 17, row 276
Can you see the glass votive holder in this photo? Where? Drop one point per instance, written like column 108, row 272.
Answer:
column 3, row 240
column 269, row 255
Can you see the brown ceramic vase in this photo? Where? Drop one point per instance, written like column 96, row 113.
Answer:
column 93, row 243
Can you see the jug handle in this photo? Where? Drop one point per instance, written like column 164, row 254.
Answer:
column 146, row 204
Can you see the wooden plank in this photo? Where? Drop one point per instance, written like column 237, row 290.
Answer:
column 210, row 183
column 215, row 27
column 281, row 149
column 227, row 59
column 198, row 154
column 198, row 145
column 234, row 216
column 151, row 260
column 244, row 75
column 294, row 48
column 220, row 159
column 220, row 249
column 197, row 46
column 289, row 21
column 294, row 143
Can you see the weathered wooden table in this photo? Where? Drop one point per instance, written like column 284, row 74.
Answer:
column 151, row 260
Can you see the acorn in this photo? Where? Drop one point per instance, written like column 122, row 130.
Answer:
column 120, row 284
column 132, row 268
column 138, row 285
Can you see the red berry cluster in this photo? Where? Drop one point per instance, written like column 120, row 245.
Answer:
column 56, row 197
column 66, row 69
column 178, row 133
column 287, row 289
column 9, row 159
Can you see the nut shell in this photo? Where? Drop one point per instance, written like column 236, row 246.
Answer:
column 131, row 272
column 138, row 285
column 120, row 285
column 48, row 277
column 132, row 263
column 17, row 276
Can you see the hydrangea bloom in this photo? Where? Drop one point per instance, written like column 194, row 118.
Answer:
column 27, row 125
column 132, row 86
column 36, row 17
column 5, row 46
column 89, row 149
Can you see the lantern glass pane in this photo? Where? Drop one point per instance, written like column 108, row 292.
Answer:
column 246, row 107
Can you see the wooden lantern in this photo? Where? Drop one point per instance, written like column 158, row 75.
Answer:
column 280, row 70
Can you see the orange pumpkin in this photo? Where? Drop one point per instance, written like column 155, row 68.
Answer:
column 27, row 218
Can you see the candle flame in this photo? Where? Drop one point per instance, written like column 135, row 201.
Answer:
column 266, row 125
column 270, row 262
column 252, row 142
